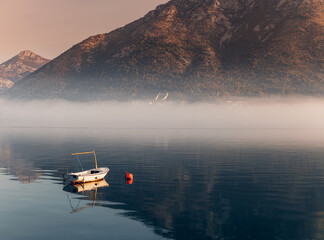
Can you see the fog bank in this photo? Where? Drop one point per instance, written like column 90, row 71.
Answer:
column 247, row 113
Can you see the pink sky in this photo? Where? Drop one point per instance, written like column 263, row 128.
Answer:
column 49, row 27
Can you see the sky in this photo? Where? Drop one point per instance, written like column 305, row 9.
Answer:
column 50, row 27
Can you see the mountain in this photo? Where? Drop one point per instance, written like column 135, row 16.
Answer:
column 194, row 49
column 18, row 67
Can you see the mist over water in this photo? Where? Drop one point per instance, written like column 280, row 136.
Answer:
column 243, row 113
column 233, row 169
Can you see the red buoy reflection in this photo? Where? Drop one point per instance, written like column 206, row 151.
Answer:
column 129, row 178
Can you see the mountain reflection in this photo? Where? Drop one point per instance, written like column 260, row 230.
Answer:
column 221, row 186
column 265, row 202
column 24, row 171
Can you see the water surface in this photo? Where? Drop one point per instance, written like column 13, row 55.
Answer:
column 188, row 184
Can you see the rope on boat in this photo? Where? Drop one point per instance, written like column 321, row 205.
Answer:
column 79, row 162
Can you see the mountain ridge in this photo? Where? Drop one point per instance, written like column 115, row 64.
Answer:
column 196, row 49
column 19, row 66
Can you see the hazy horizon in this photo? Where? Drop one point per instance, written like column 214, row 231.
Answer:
column 240, row 113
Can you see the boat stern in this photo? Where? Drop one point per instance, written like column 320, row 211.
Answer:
column 69, row 178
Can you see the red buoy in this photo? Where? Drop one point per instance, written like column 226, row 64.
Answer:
column 129, row 176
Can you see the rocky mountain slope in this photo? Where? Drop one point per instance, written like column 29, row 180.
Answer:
column 194, row 49
column 18, row 67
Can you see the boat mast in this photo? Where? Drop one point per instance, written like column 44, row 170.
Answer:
column 94, row 154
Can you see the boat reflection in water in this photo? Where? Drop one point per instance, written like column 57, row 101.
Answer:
column 84, row 189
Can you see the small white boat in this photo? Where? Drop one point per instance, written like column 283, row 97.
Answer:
column 91, row 175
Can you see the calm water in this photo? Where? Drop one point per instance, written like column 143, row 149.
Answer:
column 188, row 184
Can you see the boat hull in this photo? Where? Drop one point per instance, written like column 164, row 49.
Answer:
column 86, row 176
